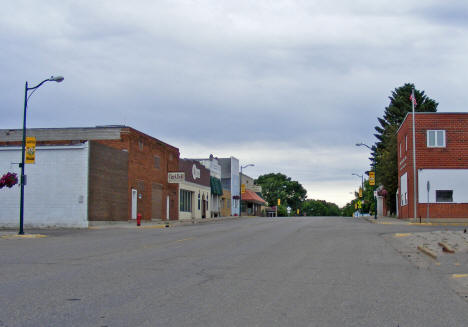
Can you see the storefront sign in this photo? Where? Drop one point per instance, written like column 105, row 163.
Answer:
column 195, row 172
column 256, row 188
column 175, row 177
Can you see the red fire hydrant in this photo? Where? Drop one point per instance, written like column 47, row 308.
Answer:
column 139, row 219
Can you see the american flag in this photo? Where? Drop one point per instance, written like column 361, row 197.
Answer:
column 413, row 99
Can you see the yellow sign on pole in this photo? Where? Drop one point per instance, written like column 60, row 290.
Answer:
column 30, row 151
column 242, row 188
column 279, row 202
column 371, row 178
column 297, row 211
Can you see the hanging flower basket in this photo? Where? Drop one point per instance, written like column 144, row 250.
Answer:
column 8, row 180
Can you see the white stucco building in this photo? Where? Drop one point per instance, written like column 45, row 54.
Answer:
column 56, row 193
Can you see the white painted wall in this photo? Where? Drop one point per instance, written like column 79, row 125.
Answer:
column 404, row 189
column 235, row 186
column 196, row 189
column 56, row 193
column 443, row 179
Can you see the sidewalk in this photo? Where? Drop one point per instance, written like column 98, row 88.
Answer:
column 424, row 221
column 158, row 223
column 386, row 220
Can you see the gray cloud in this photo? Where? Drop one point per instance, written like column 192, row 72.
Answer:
column 312, row 74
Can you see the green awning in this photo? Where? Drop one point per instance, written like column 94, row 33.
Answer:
column 216, row 188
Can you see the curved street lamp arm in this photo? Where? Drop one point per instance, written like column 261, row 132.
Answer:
column 38, row 85
column 359, row 144
column 57, row 79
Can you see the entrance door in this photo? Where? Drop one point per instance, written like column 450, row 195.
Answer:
column 157, row 201
column 203, row 209
column 134, row 203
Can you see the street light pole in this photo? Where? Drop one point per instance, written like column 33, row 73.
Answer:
column 240, row 187
column 57, row 79
column 373, row 167
column 362, row 185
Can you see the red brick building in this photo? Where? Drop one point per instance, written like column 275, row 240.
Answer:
column 441, row 166
column 127, row 172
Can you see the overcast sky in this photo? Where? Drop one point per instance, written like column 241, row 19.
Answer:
column 290, row 86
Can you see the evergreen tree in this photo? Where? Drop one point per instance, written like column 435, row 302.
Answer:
column 384, row 152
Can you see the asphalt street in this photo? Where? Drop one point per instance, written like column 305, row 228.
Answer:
column 245, row 272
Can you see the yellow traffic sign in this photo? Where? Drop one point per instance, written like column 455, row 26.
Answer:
column 279, row 202
column 371, row 178
column 30, row 151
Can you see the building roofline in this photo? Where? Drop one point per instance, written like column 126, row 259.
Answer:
column 121, row 128
column 430, row 113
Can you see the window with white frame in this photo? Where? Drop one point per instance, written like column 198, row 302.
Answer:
column 436, row 139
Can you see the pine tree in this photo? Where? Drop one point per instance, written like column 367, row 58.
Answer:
column 384, row 152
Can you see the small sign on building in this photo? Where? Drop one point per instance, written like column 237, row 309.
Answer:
column 178, row 177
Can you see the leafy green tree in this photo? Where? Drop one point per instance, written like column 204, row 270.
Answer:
column 279, row 186
column 282, row 211
column 320, row 208
column 368, row 198
column 384, row 152
column 348, row 209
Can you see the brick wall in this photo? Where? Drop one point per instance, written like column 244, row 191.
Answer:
column 108, row 183
column 144, row 173
column 453, row 156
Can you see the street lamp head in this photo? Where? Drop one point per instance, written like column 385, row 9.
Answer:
column 363, row 144
column 57, row 79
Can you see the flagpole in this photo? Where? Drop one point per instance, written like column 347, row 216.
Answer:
column 414, row 160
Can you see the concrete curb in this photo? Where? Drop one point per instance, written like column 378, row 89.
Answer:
column 159, row 224
column 21, row 237
column 426, row 251
column 446, row 247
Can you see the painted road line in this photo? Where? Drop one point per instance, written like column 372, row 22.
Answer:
column 25, row 236
column 421, row 224
column 185, row 239
column 153, row 226
column 459, row 275
column 402, row 234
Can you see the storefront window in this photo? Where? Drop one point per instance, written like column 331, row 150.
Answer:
column 185, row 201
